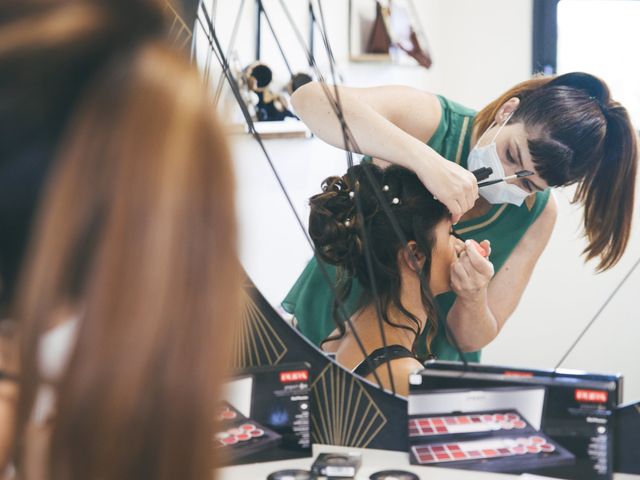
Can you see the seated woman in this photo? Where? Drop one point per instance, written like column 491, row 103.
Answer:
column 398, row 303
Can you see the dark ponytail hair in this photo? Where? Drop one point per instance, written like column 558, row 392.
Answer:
column 578, row 134
column 336, row 227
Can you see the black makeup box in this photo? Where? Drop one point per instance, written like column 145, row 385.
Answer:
column 626, row 457
column 266, row 415
column 562, row 424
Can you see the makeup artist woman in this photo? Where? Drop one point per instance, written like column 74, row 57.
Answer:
column 567, row 130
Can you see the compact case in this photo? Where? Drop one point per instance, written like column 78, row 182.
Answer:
column 242, row 437
column 337, row 465
column 267, row 415
column 553, row 423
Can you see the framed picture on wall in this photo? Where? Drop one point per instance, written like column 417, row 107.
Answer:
column 388, row 31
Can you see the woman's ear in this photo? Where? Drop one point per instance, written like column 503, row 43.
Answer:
column 412, row 254
column 506, row 110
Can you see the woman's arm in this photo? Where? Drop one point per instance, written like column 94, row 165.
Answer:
column 412, row 115
column 391, row 123
column 478, row 315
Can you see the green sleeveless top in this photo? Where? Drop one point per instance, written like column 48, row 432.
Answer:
column 310, row 299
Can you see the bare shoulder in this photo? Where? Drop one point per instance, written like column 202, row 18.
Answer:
column 331, row 346
column 405, row 366
column 401, row 368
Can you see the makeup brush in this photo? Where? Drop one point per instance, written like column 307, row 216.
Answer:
column 520, row 174
column 482, row 173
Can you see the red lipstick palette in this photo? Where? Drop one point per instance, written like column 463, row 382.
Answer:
column 241, row 436
column 464, row 416
column 494, row 440
column 494, row 453
column 479, row 423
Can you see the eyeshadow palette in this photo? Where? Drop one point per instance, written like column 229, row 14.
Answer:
column 242, row 436
column 277, row 400
column 570, row 420
column 494, row 454
column 480, row 423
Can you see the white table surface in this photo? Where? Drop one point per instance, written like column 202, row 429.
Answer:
column 372, row 461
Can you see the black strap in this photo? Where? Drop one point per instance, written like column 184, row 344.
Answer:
column 381, row 356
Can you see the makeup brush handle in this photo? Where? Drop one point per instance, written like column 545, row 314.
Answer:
column 482, row 173
column 490, row 182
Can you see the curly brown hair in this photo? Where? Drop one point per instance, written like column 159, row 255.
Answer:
column 341, row 231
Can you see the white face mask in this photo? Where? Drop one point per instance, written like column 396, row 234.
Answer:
column 487, row 156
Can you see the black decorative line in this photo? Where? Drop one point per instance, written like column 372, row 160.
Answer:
column 275, row 37
column 180, row 24
column 257, row 342
column 213, row 39
column 232, row 42
column 378, row 192
column 600, row 310
column 346, row 132
column 340, row 398
column 338, row 111
column 362, row 226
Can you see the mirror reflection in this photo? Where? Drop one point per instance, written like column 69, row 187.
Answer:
column 558, row 242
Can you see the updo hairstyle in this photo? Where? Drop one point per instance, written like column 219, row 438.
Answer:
column 341, row 231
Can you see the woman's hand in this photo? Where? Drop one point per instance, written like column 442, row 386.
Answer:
column 472, row 272
column 451, row 184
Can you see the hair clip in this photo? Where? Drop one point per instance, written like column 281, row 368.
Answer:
column 347, row 222
column 352, row 194
column 385, row 188
column 395, row 200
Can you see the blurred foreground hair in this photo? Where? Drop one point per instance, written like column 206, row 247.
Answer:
column 136, row 235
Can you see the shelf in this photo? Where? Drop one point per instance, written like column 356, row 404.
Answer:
column 273, row 130
column 370, row 57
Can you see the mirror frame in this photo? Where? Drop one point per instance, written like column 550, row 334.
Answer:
column 346, row 409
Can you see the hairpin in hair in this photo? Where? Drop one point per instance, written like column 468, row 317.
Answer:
column 395, row 201
column 347, row 222
column 385, row 188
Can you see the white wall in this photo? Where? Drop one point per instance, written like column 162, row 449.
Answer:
column 479, row 50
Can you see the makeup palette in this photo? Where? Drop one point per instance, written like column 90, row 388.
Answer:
column 242, row 436
column 496, row 453
column 493, row 441
column 480, row 423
